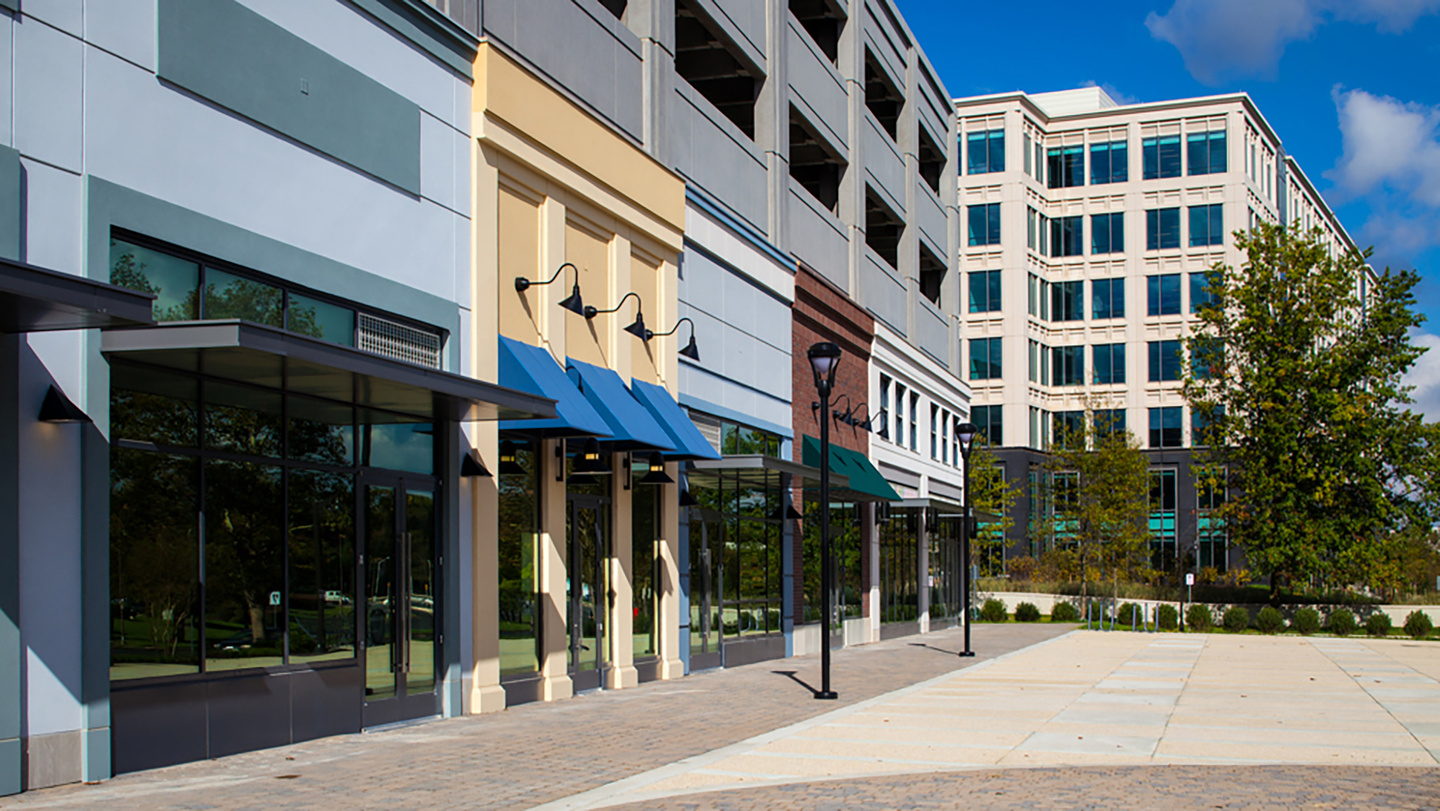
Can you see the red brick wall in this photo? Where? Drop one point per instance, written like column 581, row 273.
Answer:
column 823, row 313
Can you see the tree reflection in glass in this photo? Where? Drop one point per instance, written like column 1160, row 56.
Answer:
column 244, row 575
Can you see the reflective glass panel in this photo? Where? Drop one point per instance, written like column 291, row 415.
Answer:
column 519, row 524
column 244, row 571
column 321, row 431
column 322, row 583
column 321, row 319
column 240, row 419
column 406, row 446
column 231, row 296
column 174, row 281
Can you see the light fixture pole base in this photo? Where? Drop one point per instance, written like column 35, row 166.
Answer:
column 825, row 695
column 966, row 654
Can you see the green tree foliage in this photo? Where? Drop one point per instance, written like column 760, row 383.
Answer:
column 1235, row 619
column 1167, row 617
column 1378, row 624
column 1101, row 511
column 1064, row 612
column 990, row 493
column 1299, row 384
column 1199, row 617
column 1342, row 622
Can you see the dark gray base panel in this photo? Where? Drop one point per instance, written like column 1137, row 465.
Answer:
column 163, row 724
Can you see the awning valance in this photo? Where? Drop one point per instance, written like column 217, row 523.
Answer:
column 688, row 441
column 865, row 482
column 243, row 352
column 34, row 299
column 531, row 369
column 630, row 424
column 754, row 470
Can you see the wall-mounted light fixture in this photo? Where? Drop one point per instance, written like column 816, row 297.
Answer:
column 690, row 351
column 687, row 500
column 785, row 512
column 638, row 328
column 572, row 302
column 58, row 408
column 656, row 474
column 590, row 459
column 470, row 466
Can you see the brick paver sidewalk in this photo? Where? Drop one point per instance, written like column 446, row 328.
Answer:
column 537, row 753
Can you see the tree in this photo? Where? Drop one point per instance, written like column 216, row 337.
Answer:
column 1101, row 487
column 990, row 493
column 1294, row 372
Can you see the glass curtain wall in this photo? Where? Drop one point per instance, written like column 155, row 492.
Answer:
column 519, row 523
column 233, row 522
column 900, row 566
column 1162, row 518
column 645, row 530
column 849, row 575
column 946, row 597
column 744, row 555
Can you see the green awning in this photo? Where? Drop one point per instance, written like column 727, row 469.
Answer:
column 866, row 482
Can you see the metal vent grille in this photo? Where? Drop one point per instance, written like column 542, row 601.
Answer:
column 709, row 428
column 399, row 342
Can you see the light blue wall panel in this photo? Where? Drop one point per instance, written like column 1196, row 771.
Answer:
column 47, row 94
column 11, row 699
column 63, row 14
column 203, row 160
column 7, row 53
column 437, row 161
column 52, row 217
column 226, row 53
column 125, row 28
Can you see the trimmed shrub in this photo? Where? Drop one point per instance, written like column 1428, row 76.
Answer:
column 1235, row 619
column 993, row 611
column 1270, row 620
column 1198, row 617
column 1167, row 617
column 1064, row 612
column 1307, row 621
column 1027, row 612
column 1378, row 624
column 1342, row 622
column 1418, row 624
column 1130, row 614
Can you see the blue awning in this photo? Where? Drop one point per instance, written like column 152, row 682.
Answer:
column 688, row 441
column 631, row 426
column 531, row 369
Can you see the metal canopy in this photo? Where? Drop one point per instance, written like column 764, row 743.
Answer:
column 926, row 503
column 753, row 470
column 38, row 300
column 265, row 356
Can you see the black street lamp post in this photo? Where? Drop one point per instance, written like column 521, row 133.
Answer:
column 824, row 357
column 966, row 433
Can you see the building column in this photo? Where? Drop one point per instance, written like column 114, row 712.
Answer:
column 12, row 696
column 870, row 548
column 620, row 600
column 671, row 610
column 485, row 692
column 550, row 561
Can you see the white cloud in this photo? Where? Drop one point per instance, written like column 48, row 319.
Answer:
column 1111, row 91
column 1224, row 38
column 1388, row 144
column 1425, row 377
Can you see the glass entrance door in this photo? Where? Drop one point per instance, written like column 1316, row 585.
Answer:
column 706, row 556
column 401, row 622
column 587, row 590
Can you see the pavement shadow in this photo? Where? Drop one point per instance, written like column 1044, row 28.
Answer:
column 790, row 674
column 955, row 653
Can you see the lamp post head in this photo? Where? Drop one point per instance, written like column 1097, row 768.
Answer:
column 966, row 434
column 824, row 357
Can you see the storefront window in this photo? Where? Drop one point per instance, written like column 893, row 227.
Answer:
column 322, row 566
column 900, row 566
column 244, row 565
column 845, row 546
column 736, row 566
column 519, row 525
column 645, row 530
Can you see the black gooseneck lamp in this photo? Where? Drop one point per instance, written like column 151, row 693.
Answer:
column 824, row 358
column 690, row 351
column 966, row 433
column 572, row 302
column 637, row 328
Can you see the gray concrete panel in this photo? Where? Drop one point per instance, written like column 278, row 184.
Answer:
column 47, row 107
column 932, row 119
column 930, row 215
column 883, row 293
column 63, row 14
column 581, row 47
column 817, row 237
column 125, row 28
column 932, row 329
column 712, row 152
column 884, row 164
column 817, row 89
column 242, row 61
column 885, row 43
column 744, row 23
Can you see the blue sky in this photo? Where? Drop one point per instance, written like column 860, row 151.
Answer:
column 1351, row 86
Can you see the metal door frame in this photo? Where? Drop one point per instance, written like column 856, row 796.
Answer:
column 592, row 679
